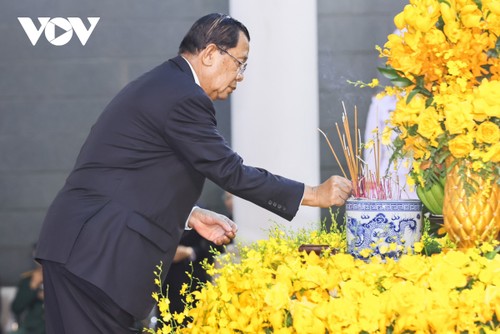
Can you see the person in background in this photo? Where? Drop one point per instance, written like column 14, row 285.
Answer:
column 191, row 253
column 376, row 121
column 28, row 303
column 132, row 192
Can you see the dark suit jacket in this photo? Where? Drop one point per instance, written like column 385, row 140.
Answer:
column 123, row 207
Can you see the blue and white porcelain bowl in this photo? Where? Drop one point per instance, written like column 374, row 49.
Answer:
column 387, row 228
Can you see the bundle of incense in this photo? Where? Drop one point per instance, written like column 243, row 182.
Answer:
column 350, row 147
column 367, row 184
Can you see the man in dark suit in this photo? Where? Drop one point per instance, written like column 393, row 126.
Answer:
column 126, row 203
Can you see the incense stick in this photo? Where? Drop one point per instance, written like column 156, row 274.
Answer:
column 334, row 154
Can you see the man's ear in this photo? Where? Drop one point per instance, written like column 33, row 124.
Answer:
column 208, row 54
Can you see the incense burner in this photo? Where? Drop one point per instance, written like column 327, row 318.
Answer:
column 387, row 228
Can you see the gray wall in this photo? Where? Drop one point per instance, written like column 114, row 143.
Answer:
column 50, row 96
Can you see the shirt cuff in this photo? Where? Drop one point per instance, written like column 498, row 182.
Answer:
column 186, row 226
column 303, row 194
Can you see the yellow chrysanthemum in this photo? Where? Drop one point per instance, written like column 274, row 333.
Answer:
column 448, row 52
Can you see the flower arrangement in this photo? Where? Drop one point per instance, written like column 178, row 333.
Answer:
column 276, row 288
column 444, row 68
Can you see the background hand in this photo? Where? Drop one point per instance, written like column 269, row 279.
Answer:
column 212, row 226
column 36, row 282
column 183, row 253
column 36, row 278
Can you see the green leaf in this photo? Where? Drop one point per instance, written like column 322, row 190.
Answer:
column 490, row 255
column 425, row 92
column 429, row 102
column 389, row 72
column 419, row 82
column 431, row 246
column 402, row 82
column 412, row 130
column 411, row 95
column 494, row 53
column 288, row 319
column 440, row 23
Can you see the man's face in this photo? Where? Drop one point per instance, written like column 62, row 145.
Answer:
column 228, row 68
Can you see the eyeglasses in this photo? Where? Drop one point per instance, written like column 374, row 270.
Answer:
column 241, row 65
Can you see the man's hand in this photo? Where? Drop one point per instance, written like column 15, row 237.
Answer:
column 334, row 191
column 213, row 226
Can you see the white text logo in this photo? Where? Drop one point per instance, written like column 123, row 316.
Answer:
column 58, row 30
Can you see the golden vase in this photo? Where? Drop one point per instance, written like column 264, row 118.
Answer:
column 474, row 217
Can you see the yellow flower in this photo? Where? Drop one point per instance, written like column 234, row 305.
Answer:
column 407, row 114
column 429, row 124
column 492, row 153
column 184, row 288
column 471, row 16
column 277, row 296
column 461, row 146
column 166, row 329
column 486, row 97
column 446, row 52
column 338, row 294
column 369, row 144
column 387, row 136
column 374, row 83
column 303, row 319
column 417, row 145
column 418, row 247
column 163, row 306
column 366, row 252
column 488, row 132
column 456, row 67
column 458, row 117
column 477, row 165
column 179, row 317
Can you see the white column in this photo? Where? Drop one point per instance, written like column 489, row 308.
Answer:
column 275, row 108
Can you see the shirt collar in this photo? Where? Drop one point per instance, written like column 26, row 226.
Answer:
column 192, row 70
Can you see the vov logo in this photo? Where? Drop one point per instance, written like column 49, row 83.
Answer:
column 58, row 30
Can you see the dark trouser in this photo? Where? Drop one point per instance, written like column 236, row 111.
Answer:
column 75, row 306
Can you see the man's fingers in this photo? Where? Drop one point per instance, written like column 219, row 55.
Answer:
column 231, row 234
column 230, row 226
column 344, row 184
column 344, row 196
column 224, row 240
column 234, row 227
